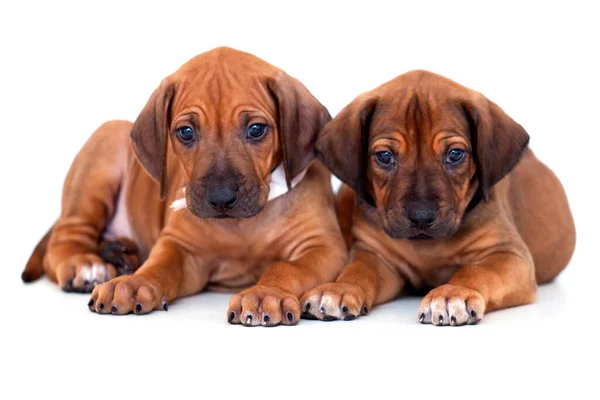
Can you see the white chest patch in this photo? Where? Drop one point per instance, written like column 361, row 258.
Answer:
column 119, row 225
column 277, row 187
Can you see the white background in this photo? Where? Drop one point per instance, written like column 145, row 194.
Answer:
column 66, row 68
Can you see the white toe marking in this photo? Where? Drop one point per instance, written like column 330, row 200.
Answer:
column 98, row 273
column 438, row 307
column 314, row 305
column 425, row 315
column 330, row 307
column 85, row 273
column 458, row 309
column 251, row 319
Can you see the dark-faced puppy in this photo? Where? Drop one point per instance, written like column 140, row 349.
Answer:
column 445, row 195
column 228, row 143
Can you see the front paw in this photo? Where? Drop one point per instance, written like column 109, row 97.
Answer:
column 82, row 272
column 262, row 305
column 333, row 301
column 452, row 305
column 125, row 294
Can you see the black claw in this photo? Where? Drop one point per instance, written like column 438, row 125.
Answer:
column 91, row 302
column 322, row 309
column 453, row 320
column 290, row 317
column 166, row 307
column 365, row 310
column 101, row 306
column 68, row 286
column 349, row 317
column 473, row 313
column 248, row 319
column 344, row 309
column 114, row 310
column 138, row 308
column 440, row 318
column 231, row 317
column 307, row 308
column 307, row 315
column 86, row 282
column 266, row 319
column 422, row 317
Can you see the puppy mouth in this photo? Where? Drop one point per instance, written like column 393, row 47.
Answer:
column 421, row 236
column 234, row 214
column 401, row 228
column 414, row 234
column 222, row 216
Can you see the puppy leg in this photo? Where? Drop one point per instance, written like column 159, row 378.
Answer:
column 89, row 194
column 499, row 281
column 170, row 272
column 365, row 281
column 274, row 300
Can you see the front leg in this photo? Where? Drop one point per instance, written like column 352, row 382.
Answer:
column 499, row 281
column 170, row 272
column 274, row 300
column 364, row 282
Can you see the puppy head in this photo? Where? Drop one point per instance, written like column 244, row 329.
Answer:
column 418, row 148
column 231, row 119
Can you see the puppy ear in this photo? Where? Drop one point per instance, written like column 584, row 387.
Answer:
column 498, row 142
column 300, row 118
column 343, row 145
column 150, row 134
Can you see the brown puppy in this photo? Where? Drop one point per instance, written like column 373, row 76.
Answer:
column 439, row 204
column 216, row 140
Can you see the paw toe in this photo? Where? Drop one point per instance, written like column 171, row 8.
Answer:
column 451, row 305
column 334, row 301
column 126, row 294
column 235, row 309
column 290, row 307
column 329, row 307
column 266, row 306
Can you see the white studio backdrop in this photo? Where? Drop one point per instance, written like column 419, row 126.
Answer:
column 67, row 67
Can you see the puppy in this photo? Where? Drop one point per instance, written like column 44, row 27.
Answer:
column 227, row 141
column 442, row 193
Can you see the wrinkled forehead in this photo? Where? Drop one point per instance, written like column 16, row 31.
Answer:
column 223, row 86
column 420, row 111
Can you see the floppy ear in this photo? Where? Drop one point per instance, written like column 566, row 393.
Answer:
column 343, row 145
column 498, row 142
column 300, row 118
column 150, row 134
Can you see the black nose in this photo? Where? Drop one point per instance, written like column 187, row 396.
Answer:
column 421, row 215
column 223, row 198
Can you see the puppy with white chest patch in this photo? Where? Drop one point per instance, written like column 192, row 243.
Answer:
column 443, row 194
column 228, row 143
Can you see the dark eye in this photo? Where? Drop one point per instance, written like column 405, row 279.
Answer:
column 384, row 158
column 455, row 156
column 185, row 134
column 256, row 131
